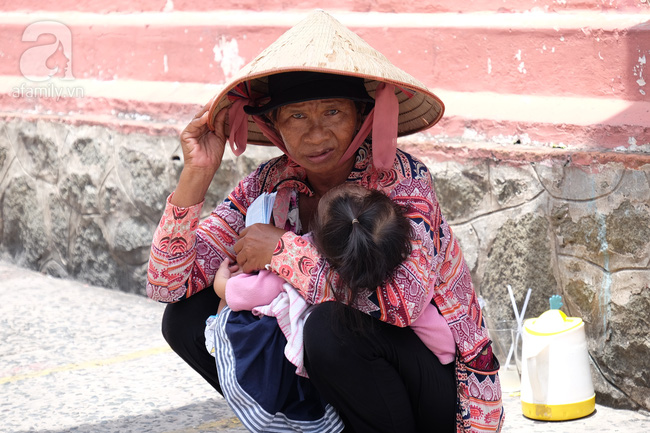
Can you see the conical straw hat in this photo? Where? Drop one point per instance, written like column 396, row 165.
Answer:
column 320, row 43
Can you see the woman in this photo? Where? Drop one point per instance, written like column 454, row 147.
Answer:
column 316, row 93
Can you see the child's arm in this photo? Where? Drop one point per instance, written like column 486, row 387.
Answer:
column 434, row 332
column 247, row 291
column 224, row 273
column 243, row 292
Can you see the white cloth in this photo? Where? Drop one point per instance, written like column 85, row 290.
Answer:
column 291, row 311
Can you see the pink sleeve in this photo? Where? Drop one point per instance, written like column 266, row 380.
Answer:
column 434, row 332
column 172, row 252
column 247, row 291
column 186, row 252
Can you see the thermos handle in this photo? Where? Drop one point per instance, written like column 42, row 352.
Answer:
column 538, row 384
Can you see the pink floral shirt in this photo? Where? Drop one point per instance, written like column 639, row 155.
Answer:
column 186, row 254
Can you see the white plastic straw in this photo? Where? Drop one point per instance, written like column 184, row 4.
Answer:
column 523, row 311
column 514, row 307
column 519, row 318
column 514, row 303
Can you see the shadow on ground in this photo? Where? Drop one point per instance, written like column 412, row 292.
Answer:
column 206, row 417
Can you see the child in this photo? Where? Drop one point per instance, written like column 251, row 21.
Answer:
column 364, row 235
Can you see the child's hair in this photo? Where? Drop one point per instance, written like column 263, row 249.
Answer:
column 364, row 235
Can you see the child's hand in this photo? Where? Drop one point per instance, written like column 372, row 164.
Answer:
column 226, row 270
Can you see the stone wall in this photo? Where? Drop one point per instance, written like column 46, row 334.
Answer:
column 559, row 228
column 82, row 202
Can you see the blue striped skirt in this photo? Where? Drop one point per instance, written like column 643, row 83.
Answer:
column 259, row 383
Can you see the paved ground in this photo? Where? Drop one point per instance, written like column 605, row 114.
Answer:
column 76, row 358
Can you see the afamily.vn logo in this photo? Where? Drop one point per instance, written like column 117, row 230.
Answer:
column 50, row 58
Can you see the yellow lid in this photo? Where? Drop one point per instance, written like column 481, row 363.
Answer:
column 551, row 322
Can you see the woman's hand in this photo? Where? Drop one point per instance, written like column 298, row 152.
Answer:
column 255, row 246
column 203, row 151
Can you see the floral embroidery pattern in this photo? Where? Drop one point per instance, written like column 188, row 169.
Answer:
column 480, row 408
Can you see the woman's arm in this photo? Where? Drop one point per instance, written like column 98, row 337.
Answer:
column 173, row 250
column 185, row 255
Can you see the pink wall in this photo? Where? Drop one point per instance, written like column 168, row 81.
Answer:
column 105, row 6
column 536, row 72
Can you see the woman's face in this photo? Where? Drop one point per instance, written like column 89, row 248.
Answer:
column 317, row 133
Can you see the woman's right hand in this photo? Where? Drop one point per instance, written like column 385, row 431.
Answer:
column 202, row 148
column 203, row 151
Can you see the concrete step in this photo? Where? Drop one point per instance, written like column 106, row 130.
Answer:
column 157, row 107
column 151, row 107
column 109, row 6
column 547, row 121
column 601, row 55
